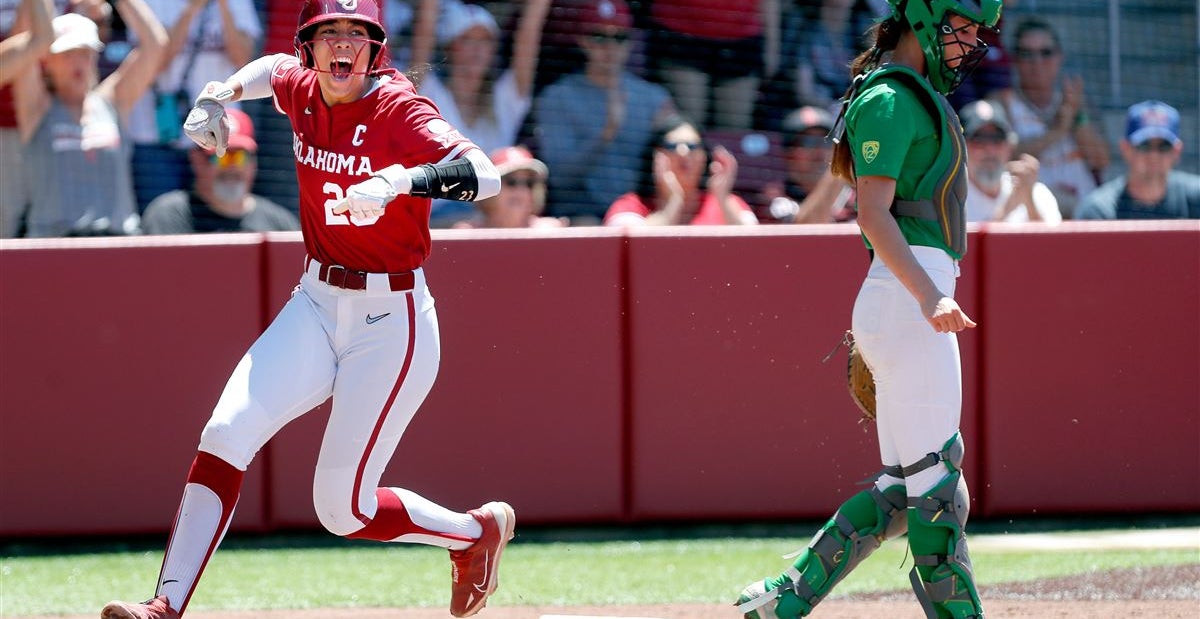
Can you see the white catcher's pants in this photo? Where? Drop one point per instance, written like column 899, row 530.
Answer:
column 918, row 376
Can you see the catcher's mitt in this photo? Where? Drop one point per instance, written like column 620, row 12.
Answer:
column 860, row 380
column 858, row 377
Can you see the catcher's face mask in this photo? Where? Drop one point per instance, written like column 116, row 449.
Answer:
column 951, row 52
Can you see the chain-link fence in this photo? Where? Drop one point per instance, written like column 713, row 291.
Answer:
column 1123, row 51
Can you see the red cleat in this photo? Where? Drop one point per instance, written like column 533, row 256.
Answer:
column 150, row 609
column 475, row 570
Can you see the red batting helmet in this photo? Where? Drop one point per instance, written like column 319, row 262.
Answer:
column 316, row 12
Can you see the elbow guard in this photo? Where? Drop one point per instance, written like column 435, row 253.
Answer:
column 453, row 180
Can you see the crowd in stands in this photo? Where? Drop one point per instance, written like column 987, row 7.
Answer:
column 597, row 112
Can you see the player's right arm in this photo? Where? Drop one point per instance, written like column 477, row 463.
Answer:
column 206, row 124
column 880, row 121
column 252, row 81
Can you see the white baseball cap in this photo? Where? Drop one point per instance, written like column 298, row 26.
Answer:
column 458, row 18
column 74, row 31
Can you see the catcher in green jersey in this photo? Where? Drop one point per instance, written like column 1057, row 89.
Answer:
column 901, row 144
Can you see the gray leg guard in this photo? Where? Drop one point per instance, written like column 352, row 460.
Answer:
column 856, row 530
column 942, row 576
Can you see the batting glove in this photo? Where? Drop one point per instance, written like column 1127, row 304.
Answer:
column 370, row 197
column 206, row 124
column 366, row 199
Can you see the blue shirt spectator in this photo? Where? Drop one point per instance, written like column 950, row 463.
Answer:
column 594, row 126
column 1152, row 188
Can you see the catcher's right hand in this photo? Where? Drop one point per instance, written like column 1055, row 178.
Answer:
column 206, row 124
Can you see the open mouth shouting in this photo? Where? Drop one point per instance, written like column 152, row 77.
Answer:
column 341, row 66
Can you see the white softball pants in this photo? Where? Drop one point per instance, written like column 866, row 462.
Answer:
column 918, row 376
column 375, row 351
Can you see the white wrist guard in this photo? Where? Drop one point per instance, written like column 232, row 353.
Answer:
column 398, row 177
column 217, row 92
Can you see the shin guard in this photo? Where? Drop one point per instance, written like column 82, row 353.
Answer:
column 858, row 527
column 942, row 577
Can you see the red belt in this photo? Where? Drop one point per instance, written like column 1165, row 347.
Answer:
column 339, row 276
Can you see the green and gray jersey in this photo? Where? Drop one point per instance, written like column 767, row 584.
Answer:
column 891, row 133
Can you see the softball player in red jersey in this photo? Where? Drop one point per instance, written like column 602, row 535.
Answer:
column 361, row 326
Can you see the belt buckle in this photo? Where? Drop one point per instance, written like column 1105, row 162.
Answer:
column 329, row 278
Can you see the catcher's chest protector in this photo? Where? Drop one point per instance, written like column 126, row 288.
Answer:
column 942, row 191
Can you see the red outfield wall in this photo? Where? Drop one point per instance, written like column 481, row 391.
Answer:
column 596, row 376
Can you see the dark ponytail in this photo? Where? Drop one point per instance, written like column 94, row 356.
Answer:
column 884, row 36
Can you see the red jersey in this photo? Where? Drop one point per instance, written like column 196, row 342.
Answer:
column 339, row 146
column 708, row 215
column 710, row 19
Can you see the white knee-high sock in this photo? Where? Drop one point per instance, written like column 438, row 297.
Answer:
column 209, row 497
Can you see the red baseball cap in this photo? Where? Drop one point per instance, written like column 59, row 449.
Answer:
column 512, row 158
column 241, row 130
column 599, row 14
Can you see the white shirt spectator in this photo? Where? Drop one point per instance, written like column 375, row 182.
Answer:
column 1064, row 169
column 982, row 207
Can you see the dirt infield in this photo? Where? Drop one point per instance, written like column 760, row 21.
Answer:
column 1150, row 593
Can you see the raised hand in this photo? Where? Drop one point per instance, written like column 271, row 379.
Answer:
column 1072, row 100
column 1024, row 170
column 206, row 124
column 670, row 190
column 722, row 172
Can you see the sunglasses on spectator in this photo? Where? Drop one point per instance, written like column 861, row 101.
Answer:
column 988, row 137
column 1155, row 146
column 682, row 148
column 1036, row 53
column 605, row 37
column 527, row 183
column 231, row 159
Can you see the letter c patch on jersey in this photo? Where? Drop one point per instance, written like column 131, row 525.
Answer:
column 358, row 131
column 870, row 150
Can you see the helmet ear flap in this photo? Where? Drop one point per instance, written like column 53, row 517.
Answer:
column 303, row 48
column 299, row 52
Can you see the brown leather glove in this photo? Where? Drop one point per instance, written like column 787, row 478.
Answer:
column 860, row 380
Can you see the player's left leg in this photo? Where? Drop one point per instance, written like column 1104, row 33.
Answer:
column 385, row 370
column 919, row 400
column 942, row 577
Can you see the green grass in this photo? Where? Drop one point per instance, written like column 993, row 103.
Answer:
column 559, row 568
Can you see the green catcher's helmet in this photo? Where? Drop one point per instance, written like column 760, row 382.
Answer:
column 930, row 21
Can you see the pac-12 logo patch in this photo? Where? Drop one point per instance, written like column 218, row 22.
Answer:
column 870, row 150
column 349, row 5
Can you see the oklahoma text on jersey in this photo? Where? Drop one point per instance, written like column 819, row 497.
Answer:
column 336, row 163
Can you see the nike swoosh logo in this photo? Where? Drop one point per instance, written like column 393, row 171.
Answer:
column 446, row 188
column 481, row 586
column 374, row 319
